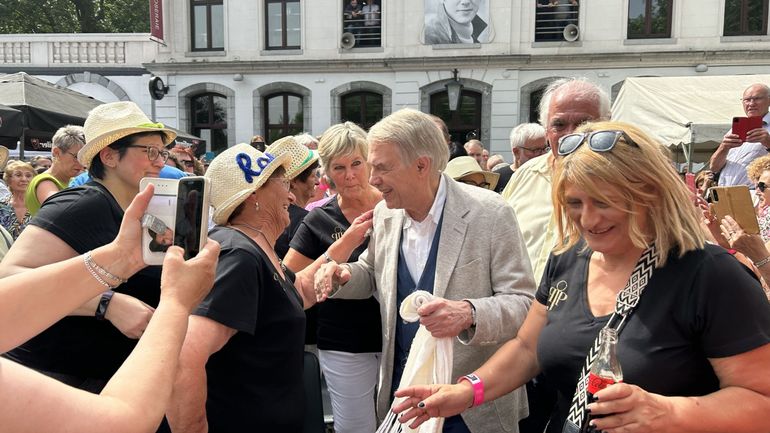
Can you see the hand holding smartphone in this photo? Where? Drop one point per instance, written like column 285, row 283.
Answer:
column 736, row 202
column 177, row 215
column 742, row 125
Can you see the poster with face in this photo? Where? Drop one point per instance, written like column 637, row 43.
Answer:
column 457, row 22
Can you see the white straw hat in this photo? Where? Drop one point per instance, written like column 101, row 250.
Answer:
column 462, row 166
column 238, row 172
column 108, row 123
column 301, row 156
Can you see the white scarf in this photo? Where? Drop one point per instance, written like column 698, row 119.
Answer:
column 429, row 362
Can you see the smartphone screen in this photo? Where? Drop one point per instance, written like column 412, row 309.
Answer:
column 689, row 179
column 189, row 215
column 160, row 220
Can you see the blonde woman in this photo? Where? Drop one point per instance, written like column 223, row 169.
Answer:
column 14, row 215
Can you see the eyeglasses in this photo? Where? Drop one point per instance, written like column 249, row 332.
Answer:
column 152, row 152
column 539, row 150
column 470, row 182
column 284, row 182
column 598, row 141
column 761, row 186
column 749, row 99
column 74, row 155
column 188, row 162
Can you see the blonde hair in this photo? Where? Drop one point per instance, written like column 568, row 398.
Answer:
column 647, row 182
column 757, row 167
column 342, row 139
column 14, row 166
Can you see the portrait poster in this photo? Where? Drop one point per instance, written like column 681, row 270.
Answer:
column 457, row 22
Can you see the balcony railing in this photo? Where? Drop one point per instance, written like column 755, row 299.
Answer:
column 550, row 20
column 81, row 49
column 368, row 32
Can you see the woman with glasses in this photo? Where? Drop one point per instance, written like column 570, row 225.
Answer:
column 85, row 348
column 14, row 215
column 66, row 144
column 691, row 349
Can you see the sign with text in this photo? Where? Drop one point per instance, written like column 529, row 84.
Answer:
column 156, row 20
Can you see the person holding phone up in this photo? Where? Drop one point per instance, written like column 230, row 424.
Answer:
column 88, row 346
column 734, row 154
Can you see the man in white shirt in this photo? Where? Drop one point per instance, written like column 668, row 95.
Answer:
column 459, row 242
column 733, row 155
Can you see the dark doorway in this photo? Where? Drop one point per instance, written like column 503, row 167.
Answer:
column 464, row 123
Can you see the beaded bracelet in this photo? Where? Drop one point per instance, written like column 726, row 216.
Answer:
column 98, row 272
column 762, row 262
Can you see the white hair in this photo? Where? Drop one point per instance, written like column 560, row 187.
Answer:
column 525, row 132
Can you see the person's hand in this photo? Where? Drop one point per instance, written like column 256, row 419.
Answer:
column 730, row 141
column 328, row 277
column 129, row 240
column 630, row 409
column 360, row 228
column 749, row 244
column 188, row 282
column 758, row 135
column 423, row 402
column 444, row 318
column 711, row 222
column 129, row 315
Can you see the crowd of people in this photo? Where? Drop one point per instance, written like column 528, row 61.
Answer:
column 317, row 242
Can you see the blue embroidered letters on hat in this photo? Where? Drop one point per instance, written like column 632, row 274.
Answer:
column 244, row 162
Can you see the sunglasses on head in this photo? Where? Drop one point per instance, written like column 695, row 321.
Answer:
column 761, row 186
column 598, row 141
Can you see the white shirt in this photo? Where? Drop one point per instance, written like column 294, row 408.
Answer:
column 738, row 158
column 417, row 236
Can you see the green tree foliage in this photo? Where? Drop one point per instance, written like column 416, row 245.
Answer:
column 74, row 16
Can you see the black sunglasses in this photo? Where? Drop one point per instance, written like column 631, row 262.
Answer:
column 598, row 141
column 761, row 186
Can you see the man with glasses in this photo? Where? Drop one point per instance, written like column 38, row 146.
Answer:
column 566, row 104
column 733, row 154
column 527, row 142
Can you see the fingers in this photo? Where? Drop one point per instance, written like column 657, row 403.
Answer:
column 139, row 204
column 431, row 307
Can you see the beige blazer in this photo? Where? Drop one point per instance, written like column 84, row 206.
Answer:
column 482, row 258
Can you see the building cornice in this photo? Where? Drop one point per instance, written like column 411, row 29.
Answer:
column 513, row 62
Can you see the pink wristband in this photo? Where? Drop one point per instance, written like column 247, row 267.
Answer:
column 478, row 388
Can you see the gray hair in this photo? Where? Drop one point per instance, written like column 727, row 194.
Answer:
column 469, row 143
column 525, row 132
column 305, row 139
column 69, row 136
column 581, row 89
column 415, row 134
column 342, row 139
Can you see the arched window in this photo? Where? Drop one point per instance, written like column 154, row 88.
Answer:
column 284, row 115
column 209, row 120
column 464, row 123
column 362, row 108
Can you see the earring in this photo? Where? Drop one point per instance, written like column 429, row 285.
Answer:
column 256, row 206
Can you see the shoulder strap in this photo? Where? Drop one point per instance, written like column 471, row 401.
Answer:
column 625, row 304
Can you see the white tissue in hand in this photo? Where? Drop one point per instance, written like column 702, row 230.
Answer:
column 411, row 303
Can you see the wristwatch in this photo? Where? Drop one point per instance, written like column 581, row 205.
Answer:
column 104, row 302
column 473, row 313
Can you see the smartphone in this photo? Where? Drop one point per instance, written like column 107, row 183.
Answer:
column 176, row 215
column 689, row 179
column 742, row 125
column 736, row 202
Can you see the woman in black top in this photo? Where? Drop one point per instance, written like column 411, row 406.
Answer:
column 349, row 331
column 694, row 350
column 87, row 347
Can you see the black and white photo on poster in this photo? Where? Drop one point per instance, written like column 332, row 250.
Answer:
column 457, row 22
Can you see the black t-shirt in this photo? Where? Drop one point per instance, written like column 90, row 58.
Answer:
column 85, row 218
column 345, row 325
column 296, row 215
column 505, row 175
column 255, row 380
column 703, row 305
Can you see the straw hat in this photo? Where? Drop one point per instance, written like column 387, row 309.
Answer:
column 462, row 166
column 3, row 157
column 301, row 156
column 108, row 123
column 238, row 172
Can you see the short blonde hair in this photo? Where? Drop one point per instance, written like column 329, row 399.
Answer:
column 14, row 166
column 342, row 139
column 415, row 134
column 645, row 177
column 757, row 167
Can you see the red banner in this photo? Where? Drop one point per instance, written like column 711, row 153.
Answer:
column 156, row 20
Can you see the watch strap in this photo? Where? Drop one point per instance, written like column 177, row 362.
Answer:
column 104, row 303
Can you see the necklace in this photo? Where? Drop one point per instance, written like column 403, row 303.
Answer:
column 249, row 226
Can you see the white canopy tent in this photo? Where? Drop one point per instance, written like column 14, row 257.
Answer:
column 688, row 114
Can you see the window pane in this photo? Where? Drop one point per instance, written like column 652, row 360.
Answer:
column 755, row 14
column 467, row 109
column 293, row 24
column 218, row 139
column 373, row 109
column 217, row 26
column 199, row 16
column 732, row 17
column 659, row 17
column 275, row 110
column 220, row 109
column 200, row 110
column 636, row 17
column 351, row 108
column 295, row 110
column 274, row 28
